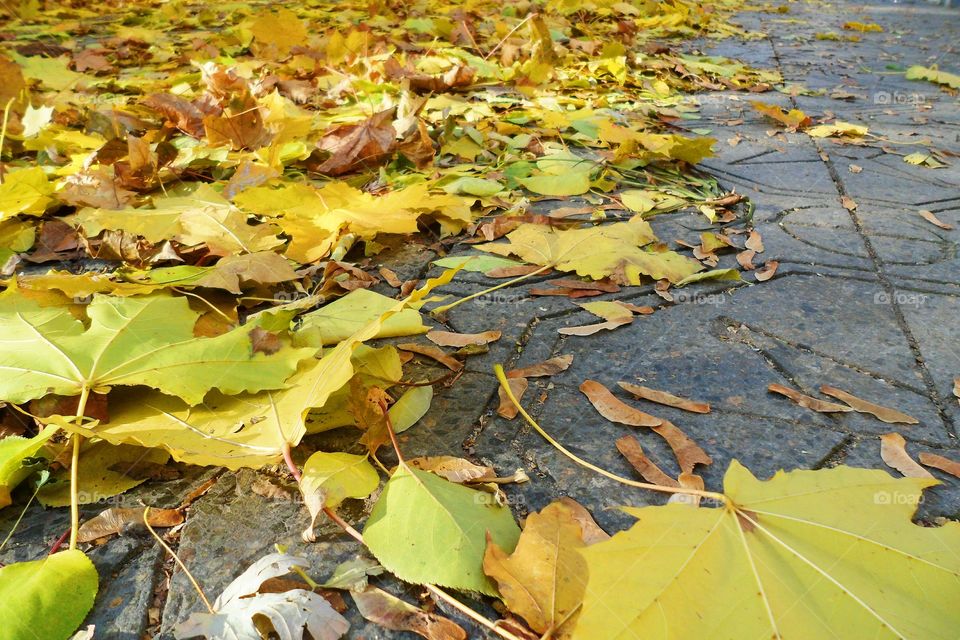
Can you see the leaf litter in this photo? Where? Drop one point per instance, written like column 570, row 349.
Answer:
column 239, row 186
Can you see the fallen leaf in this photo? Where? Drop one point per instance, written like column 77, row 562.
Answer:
column 13, row 451
column 450, row 339
column 837, row 130
column 687, row 481
column 330, row 478
column 754, row 242
column 433, row 353
column 745, row 259
column 662, row 397
column 454, row 469
column 444, row 544
column 834, row 540
column 767, row 272
column 506, row 408
column 117, row 520
column 885, row 414
column 894, row 454
column 809, row 402
column 688, row 453
column 933, row 74
column 614, row 314
column 47, row 598
column 940, row 462
column 544, row 579
column 391, row 612
column 353, row 146
column 596, row 252
column 793, row 119
column 615, row 410
column 240, row 610
column 549, row 367
column 934, row 220
column 648, row 470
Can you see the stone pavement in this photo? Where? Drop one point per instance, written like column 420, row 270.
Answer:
column 866, row 300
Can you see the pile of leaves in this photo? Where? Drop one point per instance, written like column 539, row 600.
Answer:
column 192, row 200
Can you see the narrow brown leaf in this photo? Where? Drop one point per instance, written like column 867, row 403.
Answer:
column 597, row 285
column 614, row 409
column 450, row 339
column 633, row 452
column 391, row 612
column 894, row 454
column 546, row 368
column 507, row 409
column 434, row 353
column 390, row 277
column 808, row 402
column 512, row 272
column 939, row 462
column 662, row 397
column 885, row 414
column 118, row 520
column 590, row 329
column 932, row 219
column 688, row 453
column 453, row 469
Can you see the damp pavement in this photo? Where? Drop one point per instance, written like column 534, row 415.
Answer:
column 867, row 300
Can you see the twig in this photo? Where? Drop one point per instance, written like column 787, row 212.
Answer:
column 75, row 470
column 447, row 307
column 176, row 558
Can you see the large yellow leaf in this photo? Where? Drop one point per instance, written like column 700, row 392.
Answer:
column 25, row 191
column 130, row 341
column 248, row 430
column 596, row 251
column 806, row 555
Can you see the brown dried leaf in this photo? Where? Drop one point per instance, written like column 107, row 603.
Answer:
column 939, row 462
column 453, row 469
column 391, row 277
column 507, row 409
column 745, row 258
column 894, row 454
column 754, row 242
column 886, row 414
column 633, row 452
column 358, row 145
column 688, row 481
column 434, row 353
column 662, row 397
column 590, row 329
column 767, row 272
column 513, row 272
column 688, row 453
column 118, row 520
column 614, row 409
column 848, row 203
column 932, row 219
column 391, row 612
column 808, row 402
column 450, row 339
column 546, row 368
column 179, row 112
column 594, row 285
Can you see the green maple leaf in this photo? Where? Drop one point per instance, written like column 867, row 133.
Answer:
column 130, row 341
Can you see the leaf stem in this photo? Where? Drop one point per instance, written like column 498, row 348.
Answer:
column 291, row 465
column 176, row 558
column 470, row 613
column 502, row 378
column 76, row 439
column 447, row 307
column 393, row 436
